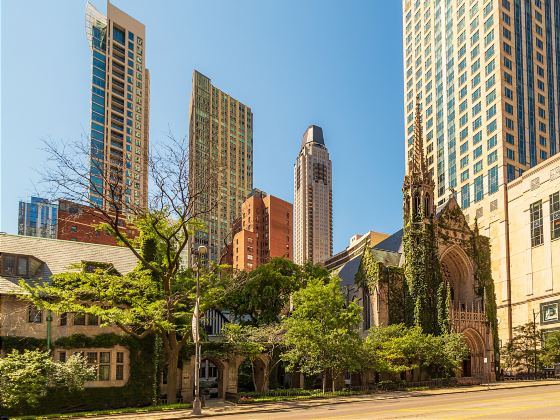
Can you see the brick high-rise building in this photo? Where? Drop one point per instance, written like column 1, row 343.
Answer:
column 313, row 199
column 266, row 231
column 79, row 223
column 220, row 162
column 120, row 93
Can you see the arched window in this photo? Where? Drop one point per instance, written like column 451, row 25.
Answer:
column 427, row 205
column 416, row 202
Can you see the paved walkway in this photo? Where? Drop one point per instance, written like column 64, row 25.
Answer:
column 220, row 408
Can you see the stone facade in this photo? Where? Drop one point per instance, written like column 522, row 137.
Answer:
column 36, row 259
column 435, row 273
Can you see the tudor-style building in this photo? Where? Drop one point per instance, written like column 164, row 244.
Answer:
column 434, row 273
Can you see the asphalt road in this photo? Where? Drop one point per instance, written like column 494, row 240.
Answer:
column 521, row 403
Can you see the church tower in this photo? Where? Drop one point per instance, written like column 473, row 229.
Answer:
column 421, row 261
column 418, row 186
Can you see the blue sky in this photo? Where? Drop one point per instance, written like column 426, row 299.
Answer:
column 337, row 64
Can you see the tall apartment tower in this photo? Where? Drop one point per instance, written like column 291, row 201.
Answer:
column 120, row 93
column 220, row 162
column 266, row 231
column 313, row 199
column 38, row 218
column 487, row 73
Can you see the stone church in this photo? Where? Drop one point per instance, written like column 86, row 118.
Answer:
column 435, row 272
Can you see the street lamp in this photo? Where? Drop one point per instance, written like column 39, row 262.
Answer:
column 197, row 405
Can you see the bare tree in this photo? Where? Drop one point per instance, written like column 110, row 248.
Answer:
column 173, row 212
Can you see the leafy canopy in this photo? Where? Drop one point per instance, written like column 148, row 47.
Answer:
column 24, row 377
column 322, row 331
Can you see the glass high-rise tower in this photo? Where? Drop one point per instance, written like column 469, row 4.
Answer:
column 488, row 76
column 38, row 218
column 220, row 162
column 120, row 92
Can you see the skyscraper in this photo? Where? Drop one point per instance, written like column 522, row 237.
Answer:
column 487, row 73
column 120, row 93
column 313, row 199
column 220, row 161
column 38, row 218
column 488, row 77
column 266, row 231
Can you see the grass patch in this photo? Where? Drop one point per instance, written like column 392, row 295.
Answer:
column 293, row 394
column 128, row 410
column 418, row 388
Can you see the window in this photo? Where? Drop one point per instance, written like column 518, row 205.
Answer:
column 119, row 376
column 63, row 319
column 465, row 196
column 493, row 180
column 62, row 356
column 478, row 188
column 510, row 154
column 92, row 320
column 536, row 223
column 477, row 167
column 79, row 319
column 35, row 315
column 104, row 369
column 118, row 35
column 555, row 216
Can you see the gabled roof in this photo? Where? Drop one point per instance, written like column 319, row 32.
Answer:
column 392, row 243
column 387, row 252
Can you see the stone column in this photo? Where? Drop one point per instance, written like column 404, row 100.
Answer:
column 187, row 379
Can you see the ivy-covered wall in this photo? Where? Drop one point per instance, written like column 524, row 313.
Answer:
column 374, row 274
column 136, row 392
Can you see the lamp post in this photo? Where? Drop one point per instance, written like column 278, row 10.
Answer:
column 197, row 404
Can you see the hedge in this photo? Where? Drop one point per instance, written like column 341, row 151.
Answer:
column 137, row 391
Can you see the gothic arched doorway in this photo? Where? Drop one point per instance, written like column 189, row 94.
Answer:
column 458, row 272
column 474, row 364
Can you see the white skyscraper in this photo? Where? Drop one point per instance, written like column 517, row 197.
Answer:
column 312, row 199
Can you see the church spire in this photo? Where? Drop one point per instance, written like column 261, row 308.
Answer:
column 418, row 164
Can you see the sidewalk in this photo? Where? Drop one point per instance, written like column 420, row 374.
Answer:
column 221, row 408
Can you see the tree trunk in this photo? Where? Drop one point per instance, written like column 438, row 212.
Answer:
column 172, row 363
column 253, row 376
column 266, row 378
column 324, row 381
column 333, row 380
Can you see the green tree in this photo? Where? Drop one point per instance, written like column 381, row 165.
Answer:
column 154, row 300
column 397, row 348
column 263, row 293
column 322, row 331
column 551, row 349
column 158, row 297
column 254, row 342
column 24, row 377
column 523, row 352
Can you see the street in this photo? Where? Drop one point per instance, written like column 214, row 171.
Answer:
column 521, row 403
column 531, row 402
